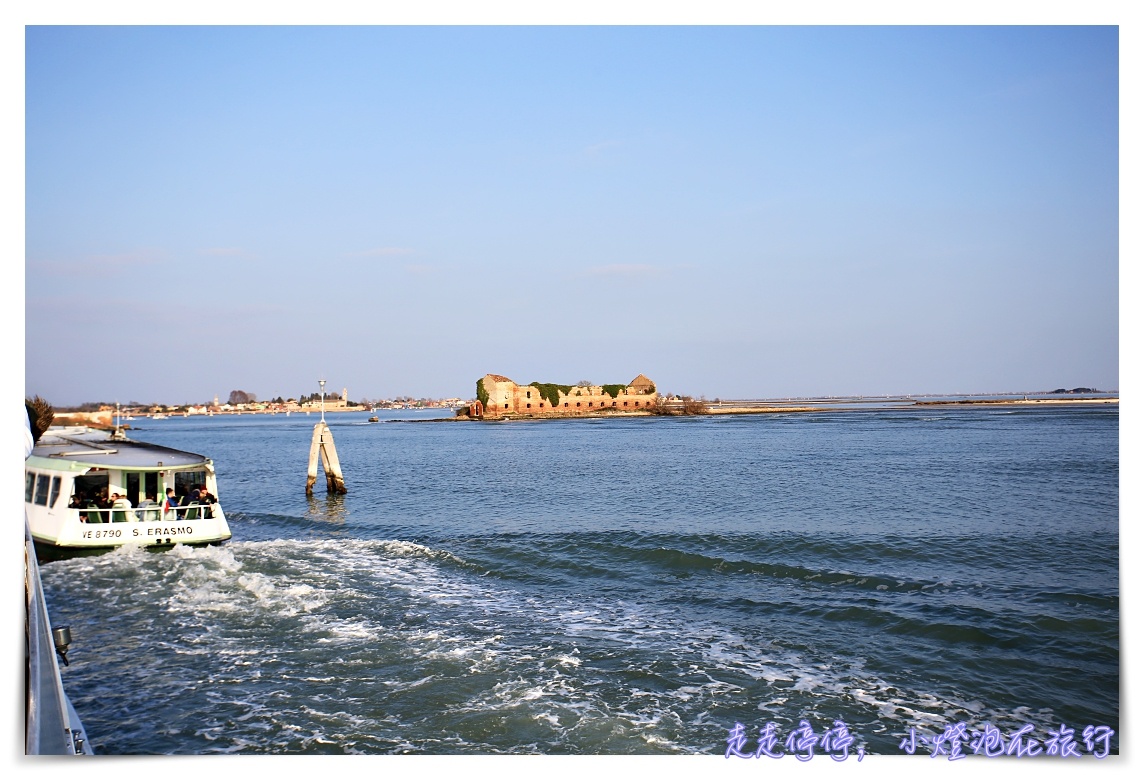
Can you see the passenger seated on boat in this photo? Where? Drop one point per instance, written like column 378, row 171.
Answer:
column 81, row 502
column 149, row 508
column 121, row 509
column 189, row 505
column 206, row 499
column 171, row 503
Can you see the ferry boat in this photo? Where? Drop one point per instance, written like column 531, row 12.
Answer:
column 87, row 490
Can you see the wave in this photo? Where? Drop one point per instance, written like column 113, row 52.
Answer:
column 341, row 645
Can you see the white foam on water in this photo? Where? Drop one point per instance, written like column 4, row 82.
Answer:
column 339, row 632
column 222, row 555
column 127, row 551
column 409, row 685
column 288, row 599
column 358, row 595
column 685, row 693
column 549, row 718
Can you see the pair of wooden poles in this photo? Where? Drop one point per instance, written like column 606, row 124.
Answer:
column 322, row 445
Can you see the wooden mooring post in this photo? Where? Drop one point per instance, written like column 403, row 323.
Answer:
column 322, row 445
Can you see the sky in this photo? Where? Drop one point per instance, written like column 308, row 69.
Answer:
column 734, row 211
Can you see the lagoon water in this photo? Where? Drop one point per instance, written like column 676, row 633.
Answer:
column 620, row 586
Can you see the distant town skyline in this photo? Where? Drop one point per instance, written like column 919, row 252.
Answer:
column 219, row 401
column 740, row 212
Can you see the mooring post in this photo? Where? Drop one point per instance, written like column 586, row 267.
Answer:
column 322, row 445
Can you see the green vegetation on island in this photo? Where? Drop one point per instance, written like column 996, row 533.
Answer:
column 550, row 392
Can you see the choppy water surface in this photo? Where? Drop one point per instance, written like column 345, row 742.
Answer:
column 614, row 586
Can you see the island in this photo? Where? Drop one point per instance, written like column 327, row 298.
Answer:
column 499, row 397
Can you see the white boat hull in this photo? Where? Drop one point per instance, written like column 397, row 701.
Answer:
column 70, row 532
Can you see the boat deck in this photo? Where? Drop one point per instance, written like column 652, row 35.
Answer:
column 98, row 448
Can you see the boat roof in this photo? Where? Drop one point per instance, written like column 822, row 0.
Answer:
column 90, row 447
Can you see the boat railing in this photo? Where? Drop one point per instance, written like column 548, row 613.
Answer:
column 52, row 726
column 147, row 514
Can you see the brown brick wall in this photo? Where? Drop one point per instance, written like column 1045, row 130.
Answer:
column 507, row 398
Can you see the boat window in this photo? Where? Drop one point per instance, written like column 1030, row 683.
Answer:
column 151, row 484
column 55, row 491
column 186, row 481
column 42, row 482
column 132, row 480
column 30, row 484
column 91, row 488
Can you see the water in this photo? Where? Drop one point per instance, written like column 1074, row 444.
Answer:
column 614, row 586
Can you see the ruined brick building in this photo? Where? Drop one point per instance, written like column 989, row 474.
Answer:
column 499, row 396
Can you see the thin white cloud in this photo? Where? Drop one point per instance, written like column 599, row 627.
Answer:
column 596, row 149
column 126, row 259
column 385, row 251
column 96, row 266
column 624, row 270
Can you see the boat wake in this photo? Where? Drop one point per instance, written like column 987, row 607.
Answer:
column 337, row 645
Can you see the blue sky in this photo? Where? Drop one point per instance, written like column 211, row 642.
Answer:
column 738, row 212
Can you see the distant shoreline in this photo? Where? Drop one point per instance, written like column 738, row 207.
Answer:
column 773, row 407
column 1022, row 402
column 866, row 405
column 890, row 406
column 840, row 405
column 105, row 419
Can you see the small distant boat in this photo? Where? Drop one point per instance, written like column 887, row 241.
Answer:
column 373, row 419
column 159, row 416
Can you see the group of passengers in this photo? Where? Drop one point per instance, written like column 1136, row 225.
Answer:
column 191, row 506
